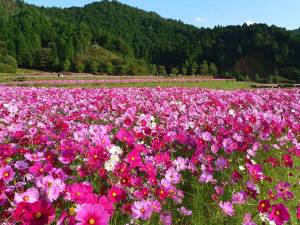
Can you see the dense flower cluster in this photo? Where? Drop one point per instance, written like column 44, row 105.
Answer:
column 76, row 156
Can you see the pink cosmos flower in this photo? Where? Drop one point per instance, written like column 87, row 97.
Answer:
column 298, row 212
column 7, row 174
column 173, row 176
column 207, row 136
column 30, row 196
column 287, row 160
column 67, row 217
column 52, row 187
column 219, row 190
column 180, row 163
column 125, row 136
column 221, row 163
column 227, row 208
column 239, row 198
column 142, row 210
column 95, row 156
column 107, row 205
column 90, row 214
column 185, row 211
column 35, row 157
column 280, row 214
column 166, row 218
column 283, row 191
column 39, row 168
column 79, row 192
column 256, row 171
column 156, row 206
column 248, row 220
column 134, row 158
column 21, row 165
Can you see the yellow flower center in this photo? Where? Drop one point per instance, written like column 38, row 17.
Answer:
column 26, row 198
column 132, row 158
column 72, row 211
column 78, row 193
column 263, row 205
column 91, row 221
column 95, row 156
column 6, row 174
column 114, row 194
column 277, row 212
column 38, row 215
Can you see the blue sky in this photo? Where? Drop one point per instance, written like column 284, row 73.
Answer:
column 208, row 13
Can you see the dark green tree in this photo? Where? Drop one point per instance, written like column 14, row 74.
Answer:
column 204, row 68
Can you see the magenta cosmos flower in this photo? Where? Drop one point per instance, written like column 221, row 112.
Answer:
column 298, row 212
column 264, row 206
column 78, row 192
column 116, row 194
column 37, row 213
column 92, row 215
column 227, row 208
column 280, row 214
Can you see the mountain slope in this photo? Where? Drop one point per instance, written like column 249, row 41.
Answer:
column 55, row 38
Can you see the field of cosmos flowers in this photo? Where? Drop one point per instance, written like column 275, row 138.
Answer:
column 149, row 156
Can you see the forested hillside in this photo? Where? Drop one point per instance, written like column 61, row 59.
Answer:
column 110, row 37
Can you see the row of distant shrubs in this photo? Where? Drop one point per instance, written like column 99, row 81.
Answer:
column 8, row 64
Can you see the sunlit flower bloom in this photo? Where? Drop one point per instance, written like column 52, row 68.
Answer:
column 227, row 208
column 142, row 209
column 90, row 214
column 239, row 198
column 52, row 187
column 30, row 196
column 280, row 214
column 34, row 157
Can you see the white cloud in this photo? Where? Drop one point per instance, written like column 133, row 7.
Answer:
column 250, row 22
column 198, row 20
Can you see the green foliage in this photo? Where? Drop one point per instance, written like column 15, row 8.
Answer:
column 8, row 64
column 257, row 77
column 174, row 71
column 136, row 41
column 213, row 69
column 161, row 71
column 193, row 68
column 204, row 67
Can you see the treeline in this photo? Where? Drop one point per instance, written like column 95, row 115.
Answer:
column 113, row 38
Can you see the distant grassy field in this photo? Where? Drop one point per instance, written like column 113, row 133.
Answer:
column 35, row 76
column 205, row 84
